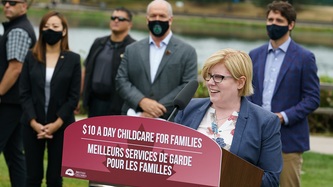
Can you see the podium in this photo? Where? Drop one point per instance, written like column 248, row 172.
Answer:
column 236, row 171
column 135, row 151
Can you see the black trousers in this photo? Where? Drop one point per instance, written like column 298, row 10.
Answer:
column 99, row 107
column 34, row 153
column 11, row 143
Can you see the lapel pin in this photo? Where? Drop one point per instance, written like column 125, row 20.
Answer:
column 168, row 52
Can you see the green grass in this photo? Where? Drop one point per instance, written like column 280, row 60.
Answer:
column 317, row 171
column 4, row 177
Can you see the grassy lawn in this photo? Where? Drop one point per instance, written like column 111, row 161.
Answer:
column 317, row 171
column 4, row 177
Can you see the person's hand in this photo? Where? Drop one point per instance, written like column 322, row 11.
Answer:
column 145, row 114
column 152, row 107
column 77, row 109
column 36, row 126
column 280, row 117
column 40, row 130
column 44, row 135
column 51, row 128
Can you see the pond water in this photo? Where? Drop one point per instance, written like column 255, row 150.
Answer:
column 80, row 40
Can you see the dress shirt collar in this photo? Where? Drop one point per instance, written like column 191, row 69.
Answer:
column 165, row 41
column 282, row 47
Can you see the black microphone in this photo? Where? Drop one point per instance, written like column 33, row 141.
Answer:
column 184, row 97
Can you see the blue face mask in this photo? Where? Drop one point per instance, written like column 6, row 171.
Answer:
column 275, row 32
column 158, row 28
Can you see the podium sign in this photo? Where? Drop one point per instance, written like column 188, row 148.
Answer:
column 137, row 151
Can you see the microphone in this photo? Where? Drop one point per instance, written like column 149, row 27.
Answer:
column 184, row 97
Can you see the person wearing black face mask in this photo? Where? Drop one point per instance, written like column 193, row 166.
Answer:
column 49, row 93
column 51, row 37
column 156, row 68
column 286, row 83
column 158, row 28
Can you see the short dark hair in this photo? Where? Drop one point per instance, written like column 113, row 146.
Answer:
column 285, row 8
column 128, row 12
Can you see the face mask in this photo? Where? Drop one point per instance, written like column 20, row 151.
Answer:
column 51, row 37
column 275, row 32
column 158, row 28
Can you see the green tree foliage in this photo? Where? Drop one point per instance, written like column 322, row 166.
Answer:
column 264, row 3
column 203, row 2
column 323, row 123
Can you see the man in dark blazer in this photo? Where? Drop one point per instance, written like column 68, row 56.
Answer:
column 155, row 69
column 286, row 83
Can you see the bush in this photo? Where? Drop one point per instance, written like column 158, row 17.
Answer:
column 323, row 123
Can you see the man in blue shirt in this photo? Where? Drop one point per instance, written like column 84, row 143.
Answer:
column 286, row 82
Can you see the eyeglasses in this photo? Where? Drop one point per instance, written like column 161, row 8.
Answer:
column 120, row 18
column 216, row 77
column 11, row 3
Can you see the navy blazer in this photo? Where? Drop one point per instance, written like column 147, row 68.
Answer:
column 65, row 89
column 296, row 92
column 256, row 138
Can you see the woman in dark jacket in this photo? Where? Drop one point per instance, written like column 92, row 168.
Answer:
column 49, row 93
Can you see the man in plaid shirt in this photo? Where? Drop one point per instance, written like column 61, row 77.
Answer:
column 17, row 39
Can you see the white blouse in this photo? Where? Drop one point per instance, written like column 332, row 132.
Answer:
column 47, row 89
column 222, row 135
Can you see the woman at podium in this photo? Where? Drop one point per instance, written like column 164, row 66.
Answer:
column 236, row 124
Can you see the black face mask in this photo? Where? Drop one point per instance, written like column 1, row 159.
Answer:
column 51, row 37
column 275, row 32
column 158, row 28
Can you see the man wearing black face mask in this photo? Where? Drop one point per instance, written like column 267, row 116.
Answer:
column 15, row 42
column 156, row 68
column 286, row 83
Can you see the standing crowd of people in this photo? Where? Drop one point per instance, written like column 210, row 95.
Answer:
column 257, row 106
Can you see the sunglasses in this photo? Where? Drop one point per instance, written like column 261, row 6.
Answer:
column 216, row 77
column 120, row 18
column 11, row 3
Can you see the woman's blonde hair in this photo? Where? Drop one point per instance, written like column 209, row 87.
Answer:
column 238, row 63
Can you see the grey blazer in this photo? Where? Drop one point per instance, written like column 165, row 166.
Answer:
column 177, row 68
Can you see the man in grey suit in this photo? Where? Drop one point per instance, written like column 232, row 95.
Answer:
column 155, row 69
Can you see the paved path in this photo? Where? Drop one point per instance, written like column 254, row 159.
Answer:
column 321, row 144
